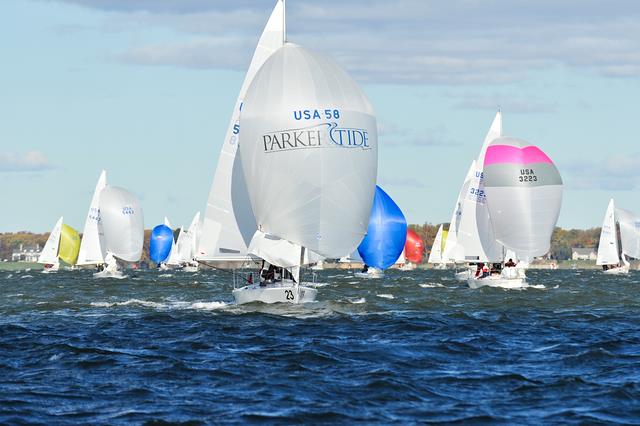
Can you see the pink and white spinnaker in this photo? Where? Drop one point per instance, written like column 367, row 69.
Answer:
column 524, row 196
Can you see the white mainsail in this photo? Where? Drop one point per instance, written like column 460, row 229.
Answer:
column 91, row 249
column 629, row 233
column 309, row 151
column 228, row 221
column 453, row 250
column 49, row 254
column 608, row 245
column 122, row 223
column 436, row 249
column 475, row 236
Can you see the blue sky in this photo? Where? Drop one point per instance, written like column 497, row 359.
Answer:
column 145, row 88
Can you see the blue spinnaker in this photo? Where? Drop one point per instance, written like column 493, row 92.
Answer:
column 160, row 243
column 386, row 234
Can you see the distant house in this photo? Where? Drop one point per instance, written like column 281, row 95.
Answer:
column 26, row 254
column 583, row 253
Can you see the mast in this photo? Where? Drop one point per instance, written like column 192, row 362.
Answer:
column 284, row 21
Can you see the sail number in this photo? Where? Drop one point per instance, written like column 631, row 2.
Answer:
column 289, row 294
column 127, row 210
column 316, row 114
column 527, row 175
column 477, row 192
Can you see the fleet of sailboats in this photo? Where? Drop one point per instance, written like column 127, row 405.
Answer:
column 294, row 185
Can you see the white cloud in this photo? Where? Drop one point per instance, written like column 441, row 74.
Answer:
column 404, row 41
column 31, row 161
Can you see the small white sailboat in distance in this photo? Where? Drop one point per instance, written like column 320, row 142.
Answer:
column 435, row 257
column 123, row 230
column 91, row 250
column 610, row 256
column 49, row 254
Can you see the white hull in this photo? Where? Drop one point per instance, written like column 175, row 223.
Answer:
column 408, row 267
column 624, row 269
column 107, row 273
column 463, row 275
column 54, row 268
column 371, row 273
column 511, row 278
column 190, row 268
column 280, row 292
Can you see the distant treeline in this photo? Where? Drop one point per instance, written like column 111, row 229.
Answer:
column 562, row 240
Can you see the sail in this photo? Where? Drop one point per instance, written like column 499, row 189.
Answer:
column 436, row 249
column 608, row 245
column 386, row 233
column 122, row 223
column 452, row 250
column 91, row 249
column 309, row 151
column 179, row 253
column 524, row 194
column 172, row 259
column 401, row 260
column 49, row 254
column 475, row 232
column 69, row 245
column 228, row 221
column 414, row 247
column 160, row 243
column 629, row 233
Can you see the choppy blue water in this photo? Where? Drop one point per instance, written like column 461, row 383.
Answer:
column 413, row 347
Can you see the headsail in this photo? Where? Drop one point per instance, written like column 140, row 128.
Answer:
column 524, row 195
column 309, row 150
column 475, row 232
column 228, row 221
column 91, row 250
column 49, row 254
column 452, row 250
column 436, row 249
column 608, row 253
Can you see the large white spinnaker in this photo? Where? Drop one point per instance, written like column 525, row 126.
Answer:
column 49, row 254
column 309, row 151
column 122, row 224
column 475, row 232
column 524, row 195
column 91, row 248
column 629, row 233
column 436, row 249
column 608, row 252
column 229, row 224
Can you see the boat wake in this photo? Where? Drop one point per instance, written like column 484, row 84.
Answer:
column 170, row 305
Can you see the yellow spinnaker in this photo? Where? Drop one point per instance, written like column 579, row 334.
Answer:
column 69, row 245
column 444, row 239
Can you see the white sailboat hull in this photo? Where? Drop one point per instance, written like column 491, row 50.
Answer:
column 54, row 268
column 371, row 273
column 510, row 278
column 280, row 292
column 624, row 269
column 408, row 267
column 464, row 275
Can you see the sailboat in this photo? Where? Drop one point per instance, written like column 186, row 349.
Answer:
column 413, row 250
column 309, row 154
column 435, row 257
column 608, row 251
column 386, row 236
column 629, row 225
column 229, row 224
column 523, row 191
column 174, row 258
column 188, row 245
column 63, row 244
column 122, row 224
column 91, row 250
column 160, row 245
column 476, row 241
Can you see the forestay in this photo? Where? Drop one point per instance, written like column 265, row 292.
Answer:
column 309, row 150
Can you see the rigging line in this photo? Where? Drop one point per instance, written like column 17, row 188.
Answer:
column 226, row 271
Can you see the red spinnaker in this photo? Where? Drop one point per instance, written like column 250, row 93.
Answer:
column 414, row 247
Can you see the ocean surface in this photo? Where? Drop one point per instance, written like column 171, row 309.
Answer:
column 413, row 347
